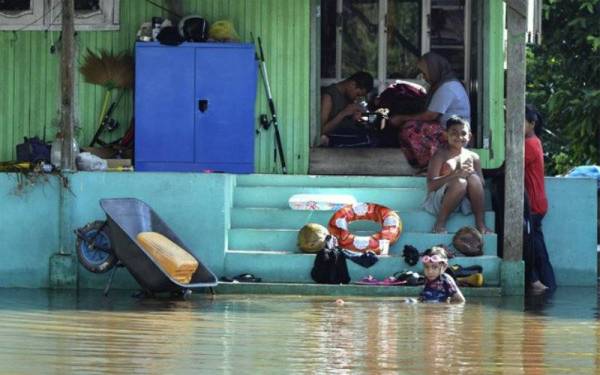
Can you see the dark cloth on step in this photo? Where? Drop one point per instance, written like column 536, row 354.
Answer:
column 362, row 259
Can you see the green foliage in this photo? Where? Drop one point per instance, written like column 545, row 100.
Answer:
column 563, row 81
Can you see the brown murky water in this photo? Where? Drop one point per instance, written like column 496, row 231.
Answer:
column 45, row 332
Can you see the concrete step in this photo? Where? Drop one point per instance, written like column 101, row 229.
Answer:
column 350, row 290
column 329, row 181
column 295, row 268
column 359, row 161
column 284, row 240
column 277, row 197
column 279, row 218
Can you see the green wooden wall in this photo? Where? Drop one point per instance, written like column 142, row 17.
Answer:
column 493, row 83
column 29, row 83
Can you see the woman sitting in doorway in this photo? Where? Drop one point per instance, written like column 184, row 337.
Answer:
column 421, row 133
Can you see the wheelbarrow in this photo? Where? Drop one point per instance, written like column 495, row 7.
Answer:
column 105, row 245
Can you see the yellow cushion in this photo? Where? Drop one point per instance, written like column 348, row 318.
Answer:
column 177, row 262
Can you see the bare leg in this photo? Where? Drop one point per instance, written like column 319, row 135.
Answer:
column 454, row 194
column 476, row 196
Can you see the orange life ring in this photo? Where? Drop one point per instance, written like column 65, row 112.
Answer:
column 391, row 226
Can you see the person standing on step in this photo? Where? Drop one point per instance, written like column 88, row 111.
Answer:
column 340, row 112
column 541, row 276
column 454, row 179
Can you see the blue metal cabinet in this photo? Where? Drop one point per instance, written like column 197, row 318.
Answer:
column 194, row 107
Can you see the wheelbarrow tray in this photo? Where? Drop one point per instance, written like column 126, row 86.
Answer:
column 127, row 217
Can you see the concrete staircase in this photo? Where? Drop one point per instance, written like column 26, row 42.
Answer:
column 263, row 233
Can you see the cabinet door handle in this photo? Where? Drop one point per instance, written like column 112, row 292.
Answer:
column 202, row 105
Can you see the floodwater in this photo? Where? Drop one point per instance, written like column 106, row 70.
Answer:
column 46, row 332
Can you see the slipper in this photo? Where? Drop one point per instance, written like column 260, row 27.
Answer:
column 412, row 278
column 456, row 270
column 392, row 281
column 242, row 278
column 368, row 280
column 388, row 281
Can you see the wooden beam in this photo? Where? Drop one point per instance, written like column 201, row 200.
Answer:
column 67, row 85
column 516, row 24
column 518, row 6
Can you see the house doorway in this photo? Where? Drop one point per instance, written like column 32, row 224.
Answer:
column 386, row 37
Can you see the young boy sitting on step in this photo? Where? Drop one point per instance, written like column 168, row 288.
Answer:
column 454, row 179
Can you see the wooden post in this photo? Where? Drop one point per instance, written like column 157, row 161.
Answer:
column 516, row 24
column 67, row 162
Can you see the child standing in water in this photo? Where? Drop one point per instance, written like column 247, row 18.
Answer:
column 439, row 286
column 454, row 179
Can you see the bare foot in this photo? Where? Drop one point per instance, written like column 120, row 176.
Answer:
column 324, row 141
column 437, row 228
column 420, row 172
column 537, row 286
column 484, row 230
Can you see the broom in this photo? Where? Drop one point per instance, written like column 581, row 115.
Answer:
column 111, row 71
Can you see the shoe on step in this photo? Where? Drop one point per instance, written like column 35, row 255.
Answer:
column 456, row 270
column 475, row 280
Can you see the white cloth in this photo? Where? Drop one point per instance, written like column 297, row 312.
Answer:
column 451, row 99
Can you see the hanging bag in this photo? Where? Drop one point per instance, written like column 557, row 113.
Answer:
column 330, row 264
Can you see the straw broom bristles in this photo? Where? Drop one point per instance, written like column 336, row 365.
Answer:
column 108, row 70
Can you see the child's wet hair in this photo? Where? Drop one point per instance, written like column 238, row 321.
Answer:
column 457, row 120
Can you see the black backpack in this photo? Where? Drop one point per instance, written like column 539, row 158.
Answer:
column 330, row 264
column 33, row 150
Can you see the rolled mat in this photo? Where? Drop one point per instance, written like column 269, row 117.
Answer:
column 177, row 262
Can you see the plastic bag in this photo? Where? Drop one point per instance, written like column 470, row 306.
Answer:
column 86, row 161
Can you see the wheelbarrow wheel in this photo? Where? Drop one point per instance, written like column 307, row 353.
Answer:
column 94, row 249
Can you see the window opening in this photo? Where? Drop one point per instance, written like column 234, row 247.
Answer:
column 403, row 38
column 15, row 6
column 21, row 15
column 87, row 5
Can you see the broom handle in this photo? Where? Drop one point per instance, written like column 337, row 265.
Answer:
column 107, row 98
column 105, row 109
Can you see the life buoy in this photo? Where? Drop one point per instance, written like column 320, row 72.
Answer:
column 391, row 226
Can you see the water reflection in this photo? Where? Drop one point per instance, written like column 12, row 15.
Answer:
column 62, row 332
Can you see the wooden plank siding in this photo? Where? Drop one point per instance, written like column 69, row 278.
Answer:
column 29, row 83
column 493, row 83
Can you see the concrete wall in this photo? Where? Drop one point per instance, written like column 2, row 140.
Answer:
column 197, row 207
column 29, row 222
column 570, row 229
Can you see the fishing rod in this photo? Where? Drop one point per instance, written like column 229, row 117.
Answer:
column 263, row 68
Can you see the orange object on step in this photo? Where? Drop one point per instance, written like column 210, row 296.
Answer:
column 174, row 260
column 391, row 227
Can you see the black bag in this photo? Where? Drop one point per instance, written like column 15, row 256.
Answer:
column 33, row 150
column 330, row 264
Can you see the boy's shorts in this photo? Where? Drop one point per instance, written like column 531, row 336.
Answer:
column 433, row 202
